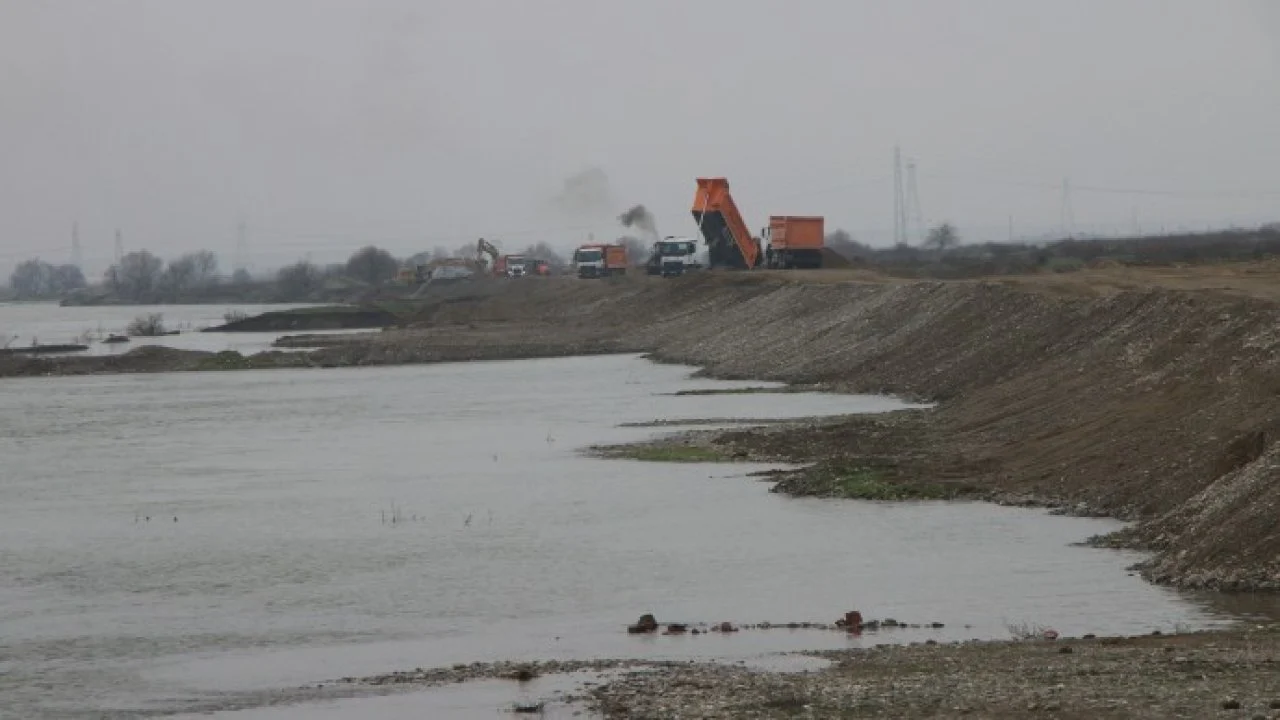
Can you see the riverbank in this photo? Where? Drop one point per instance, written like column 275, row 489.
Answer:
column 1229, row 673
column 1198, row 675
column 1148, row 398
column 329, row 317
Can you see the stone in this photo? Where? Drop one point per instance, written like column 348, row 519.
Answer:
column 1231, row 704
column 646, row 624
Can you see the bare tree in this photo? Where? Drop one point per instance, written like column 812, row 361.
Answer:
column 136, row 276
column 205, row 263
column 543, row 251
column 68, row 277
column 37, row 279
column 179, row 275
column 468, row 250
column 241, row 277
column 190, row 271
column 298, row 280
column 148, row 325
column 942, row 237
column 372, row 265
column 842, row 243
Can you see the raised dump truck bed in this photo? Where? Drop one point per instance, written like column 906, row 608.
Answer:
column 729, row 241
column 795, row 241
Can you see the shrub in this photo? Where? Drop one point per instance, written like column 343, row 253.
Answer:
column 149, row 325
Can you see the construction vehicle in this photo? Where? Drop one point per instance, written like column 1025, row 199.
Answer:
column 535, row 266
column 484, row 247
column 729, row 241
column 591, row 261
column 509, row 266
column 673, row 256
column 794, row 241
column 441, row 267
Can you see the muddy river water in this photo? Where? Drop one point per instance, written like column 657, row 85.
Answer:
column 184, row 542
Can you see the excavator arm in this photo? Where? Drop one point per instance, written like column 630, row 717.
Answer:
column 729, row 241
column 484, row 247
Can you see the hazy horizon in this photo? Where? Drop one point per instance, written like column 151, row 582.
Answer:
column 325, row 125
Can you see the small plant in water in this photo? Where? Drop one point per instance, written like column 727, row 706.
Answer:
column 148, row 325
column 1025, row 630
column 232, row 316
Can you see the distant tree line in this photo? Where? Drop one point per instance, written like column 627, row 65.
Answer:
column 944, row 255
column 36, row 279
column 142, row 277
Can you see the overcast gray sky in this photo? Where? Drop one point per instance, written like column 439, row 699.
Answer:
column 327, row 124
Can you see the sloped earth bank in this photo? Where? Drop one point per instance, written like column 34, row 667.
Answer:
column 1153, row 404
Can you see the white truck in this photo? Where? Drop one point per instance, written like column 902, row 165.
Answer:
column 673, row 256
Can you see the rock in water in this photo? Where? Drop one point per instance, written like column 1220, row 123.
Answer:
column 646, row 624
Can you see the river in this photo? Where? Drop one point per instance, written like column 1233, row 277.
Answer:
column 196, row 541
column 29, row 323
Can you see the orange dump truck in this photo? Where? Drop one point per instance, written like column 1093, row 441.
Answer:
column 729, row 241
column 600, row 260
column 794, row 241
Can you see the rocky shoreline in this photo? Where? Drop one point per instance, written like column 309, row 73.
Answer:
column 1228, row 673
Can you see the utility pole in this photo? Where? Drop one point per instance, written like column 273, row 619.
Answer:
column 241, row 261
column 899, row 201
column 916, row 217
column 1068, row 212
column 77, row 256
column 1010, row 229
column 119, row 247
